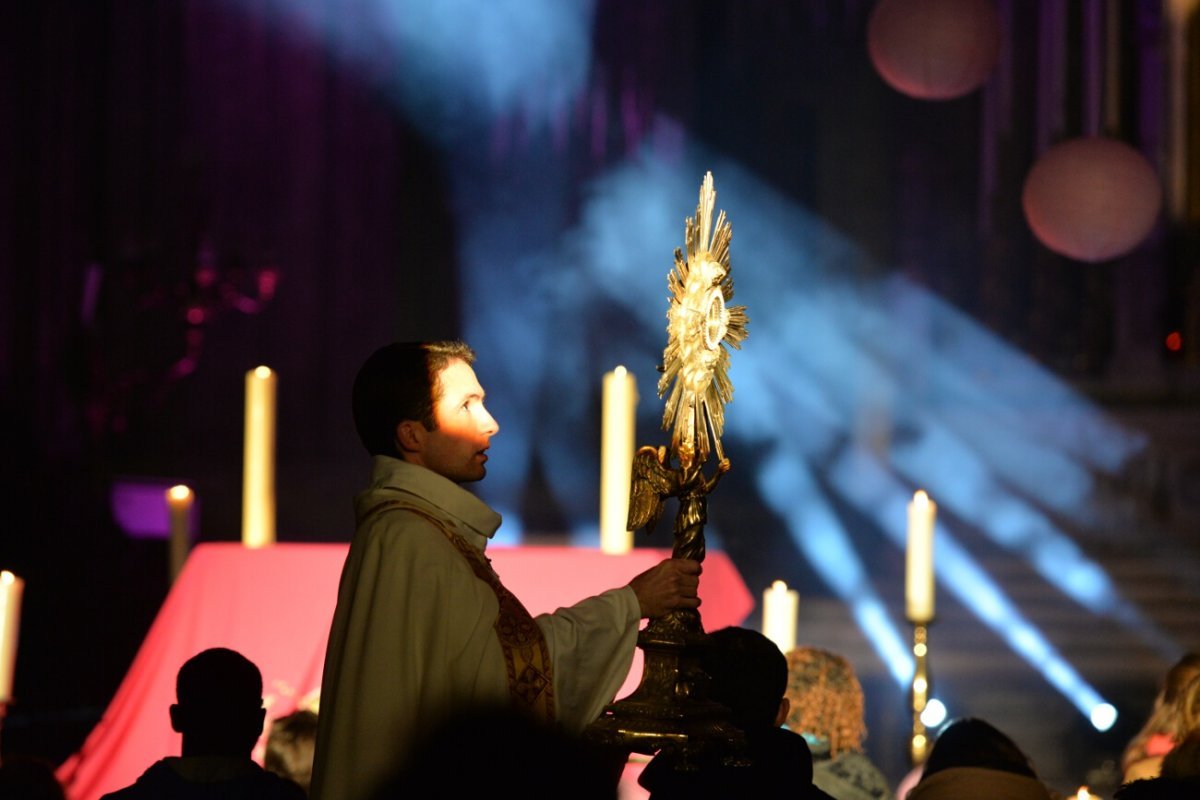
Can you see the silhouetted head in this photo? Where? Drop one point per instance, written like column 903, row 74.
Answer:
column 29, row 778
column 218, row 705
column 290, row 747
column 400, row 382
column 749, row 676
column 974, row 743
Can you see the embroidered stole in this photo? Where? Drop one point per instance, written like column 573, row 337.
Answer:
column 526, row 655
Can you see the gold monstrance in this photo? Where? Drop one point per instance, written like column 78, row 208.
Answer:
column 669, row 712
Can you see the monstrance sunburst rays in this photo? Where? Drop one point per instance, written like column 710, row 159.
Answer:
column 700, row 324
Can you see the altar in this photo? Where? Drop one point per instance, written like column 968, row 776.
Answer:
column 274, row 605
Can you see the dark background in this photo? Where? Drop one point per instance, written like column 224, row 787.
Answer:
column 180, row 157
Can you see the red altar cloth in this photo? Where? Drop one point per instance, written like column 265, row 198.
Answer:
column 274, row 605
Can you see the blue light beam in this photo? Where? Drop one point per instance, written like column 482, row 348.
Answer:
column 876, row 492
column 454, row 66
column 816, row 531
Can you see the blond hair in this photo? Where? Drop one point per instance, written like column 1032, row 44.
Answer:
column 1173, row 701
column 1188, row 703
column 826, row 699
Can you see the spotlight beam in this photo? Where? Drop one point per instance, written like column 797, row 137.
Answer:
column 874, row 490
column 945, row 464
column 820, row 536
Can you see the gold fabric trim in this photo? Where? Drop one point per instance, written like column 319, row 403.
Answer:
column 526, row 654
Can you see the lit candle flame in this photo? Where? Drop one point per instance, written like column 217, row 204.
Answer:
column 179, row 510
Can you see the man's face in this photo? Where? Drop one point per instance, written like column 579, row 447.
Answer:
column 456, row 448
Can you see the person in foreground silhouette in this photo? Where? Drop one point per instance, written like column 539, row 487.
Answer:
column 827, row 708
column 972, row 758
column 290, row 745
column 1164, row 727
column 1179, row 776
column 748, row 675
column 220, row 714
column 501, row 743
column 29, row 778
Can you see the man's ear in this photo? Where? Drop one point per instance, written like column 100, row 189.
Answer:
column 176, row 718
column 410, row 436
column 785, row 705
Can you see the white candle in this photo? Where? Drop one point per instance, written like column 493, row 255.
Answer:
column 617, row 434
column 179, row 509
column 11, row 588
column 258, row 476
column 780, row 607
column 918, row 583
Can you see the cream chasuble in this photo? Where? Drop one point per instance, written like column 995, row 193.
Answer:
column 413, row 635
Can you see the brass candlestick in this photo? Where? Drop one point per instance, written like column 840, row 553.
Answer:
column 669, row 713
column 919, row 744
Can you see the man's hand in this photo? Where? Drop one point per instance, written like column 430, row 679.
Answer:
column 667, row 586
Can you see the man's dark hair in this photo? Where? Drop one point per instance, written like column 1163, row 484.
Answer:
column 972, row 742
column 749, row 676
column 399, row 382
column 219, row 707
column 218, row 676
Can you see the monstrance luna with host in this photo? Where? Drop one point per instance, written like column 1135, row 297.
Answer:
column 700, row 322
